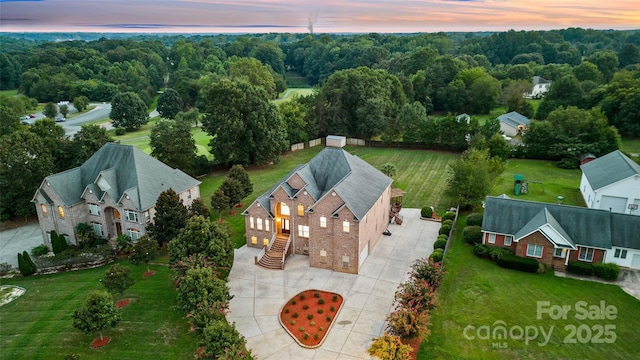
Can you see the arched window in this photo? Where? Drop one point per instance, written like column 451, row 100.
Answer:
column 45, row 212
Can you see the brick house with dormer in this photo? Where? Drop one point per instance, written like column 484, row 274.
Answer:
column 114, row 192
column 332, row 209
column 558, row 234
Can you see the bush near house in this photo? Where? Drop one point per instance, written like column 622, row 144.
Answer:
column 607, row 271
column 474, row 219
column 518, row 263
column 447, row 222
column 472, row 234
column 25, row 264
column 481, row 250
column 39, row 250
column 426, row 212
column 58, row 243
column 580, row 268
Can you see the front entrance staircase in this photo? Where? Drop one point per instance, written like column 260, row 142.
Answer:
column 272, row 259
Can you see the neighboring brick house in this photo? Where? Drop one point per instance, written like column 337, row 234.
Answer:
column 114, row 191
column 611, row 182
column 333, row 209
column 557, row 234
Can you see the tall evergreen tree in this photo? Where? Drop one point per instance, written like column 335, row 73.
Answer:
column 171, row 216
column 238, row 172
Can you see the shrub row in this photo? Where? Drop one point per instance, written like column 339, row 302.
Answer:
column 606, row 271
column 414, row 301
column 518, row 263
column 506, row 259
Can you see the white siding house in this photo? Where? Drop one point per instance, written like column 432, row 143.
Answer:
column 612, row 182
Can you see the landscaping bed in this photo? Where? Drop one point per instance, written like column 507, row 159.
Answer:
column 308, row 316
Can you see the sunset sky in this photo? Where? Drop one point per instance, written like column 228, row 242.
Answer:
column 259, row 16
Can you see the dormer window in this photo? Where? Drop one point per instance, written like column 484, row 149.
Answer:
column 103, row 184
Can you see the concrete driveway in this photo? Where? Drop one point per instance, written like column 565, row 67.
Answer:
column 259, row 294
column 629, row 281
column 18, row 240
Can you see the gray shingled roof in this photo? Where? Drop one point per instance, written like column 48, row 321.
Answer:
column 608, row 169
column 334, row 169
column 126, row 169
column 514, row 119
column 550, row 226
column 588, row 227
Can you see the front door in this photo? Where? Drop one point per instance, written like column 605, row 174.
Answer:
column 285, row 226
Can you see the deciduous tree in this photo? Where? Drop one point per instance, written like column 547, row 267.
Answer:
column 245, row 124
column 128, row 111
column 202, row 236
column 219, row 201
column 170, row 104
column 96, row 314
column 145, row 250
column 117, row 279
column 171, row 143
column 471, row 177
column 50, row 110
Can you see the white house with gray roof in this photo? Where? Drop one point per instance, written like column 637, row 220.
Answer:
column 557, row 234
column 513, row 123
column 612, row 182
column 332, row 209
column 114, row 191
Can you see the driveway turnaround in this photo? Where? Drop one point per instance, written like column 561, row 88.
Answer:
column 17, row 240
column 259, row 294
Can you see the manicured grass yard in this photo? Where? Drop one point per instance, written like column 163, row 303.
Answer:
column 38, row 325
column 555, row 182
column 477, row 292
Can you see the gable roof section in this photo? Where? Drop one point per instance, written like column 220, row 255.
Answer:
column 549, row 226
column 584, row 226
column 125, row 169
column 359, row 184
column 608, row 169
column 514, row 119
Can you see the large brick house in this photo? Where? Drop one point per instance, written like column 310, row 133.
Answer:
column 557, row 234
column 611, row 182
column 114, row 191
column 332, row 209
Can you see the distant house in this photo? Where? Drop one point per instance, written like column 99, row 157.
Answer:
column 114, row 191
column 540, row 88
column 612, row 182
column 557, row 234
column 463, row 118
column 332, row 209
column 513, row 123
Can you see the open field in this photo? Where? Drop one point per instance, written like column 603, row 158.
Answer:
column 630, row 145
column 554, row 182
column 477, row 293
column 291, row 92
column 38, row 325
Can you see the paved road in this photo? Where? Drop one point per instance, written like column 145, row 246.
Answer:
column 101, row 111
column 18, row 240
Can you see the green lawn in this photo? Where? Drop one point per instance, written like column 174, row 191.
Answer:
column 291, row 92
column 478, row 293
column 630, row 145
column 554, row 182
column 13, row 92
column 38, row 325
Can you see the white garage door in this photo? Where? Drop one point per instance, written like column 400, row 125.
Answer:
column 616, row 204
column 635, row 209
column 635, row 262
column 363, row 255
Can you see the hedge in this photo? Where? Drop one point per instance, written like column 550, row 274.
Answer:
column 448, row 222
column 580, row 268
column 608, row 271
column 518, row 263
